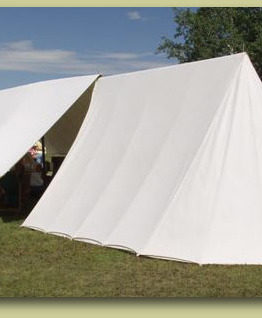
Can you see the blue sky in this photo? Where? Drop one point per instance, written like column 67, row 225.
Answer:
column 44, row 43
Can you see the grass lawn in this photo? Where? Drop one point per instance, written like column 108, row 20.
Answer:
column 33, row 264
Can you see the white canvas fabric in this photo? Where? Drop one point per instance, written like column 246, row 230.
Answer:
column 28, row 112
column 167, row 164
column 59, row 139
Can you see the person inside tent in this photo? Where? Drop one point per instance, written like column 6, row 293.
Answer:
column 37, row 182
column 39, row 153
column 29, row 165
column 36, row 152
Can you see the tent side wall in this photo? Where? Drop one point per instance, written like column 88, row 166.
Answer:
column 133, row 150
column 216, row 215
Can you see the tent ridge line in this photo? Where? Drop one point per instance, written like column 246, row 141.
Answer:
column 175, row 65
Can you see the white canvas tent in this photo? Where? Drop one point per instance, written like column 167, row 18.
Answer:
column 28, row 112
column 167, row 164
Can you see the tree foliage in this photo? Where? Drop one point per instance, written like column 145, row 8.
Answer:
column 213, row 32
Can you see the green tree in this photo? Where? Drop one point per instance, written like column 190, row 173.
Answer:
column 212, row 32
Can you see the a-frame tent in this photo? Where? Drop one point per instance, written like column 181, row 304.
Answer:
column 167, row 164
column 30, row 111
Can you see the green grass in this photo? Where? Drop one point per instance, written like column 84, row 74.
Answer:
column 33, row 264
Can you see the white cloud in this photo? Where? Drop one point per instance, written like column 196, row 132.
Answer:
column 123, row 55
column 20, row 45
column 119, row 55
column 134, row 15
column 24, row 56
